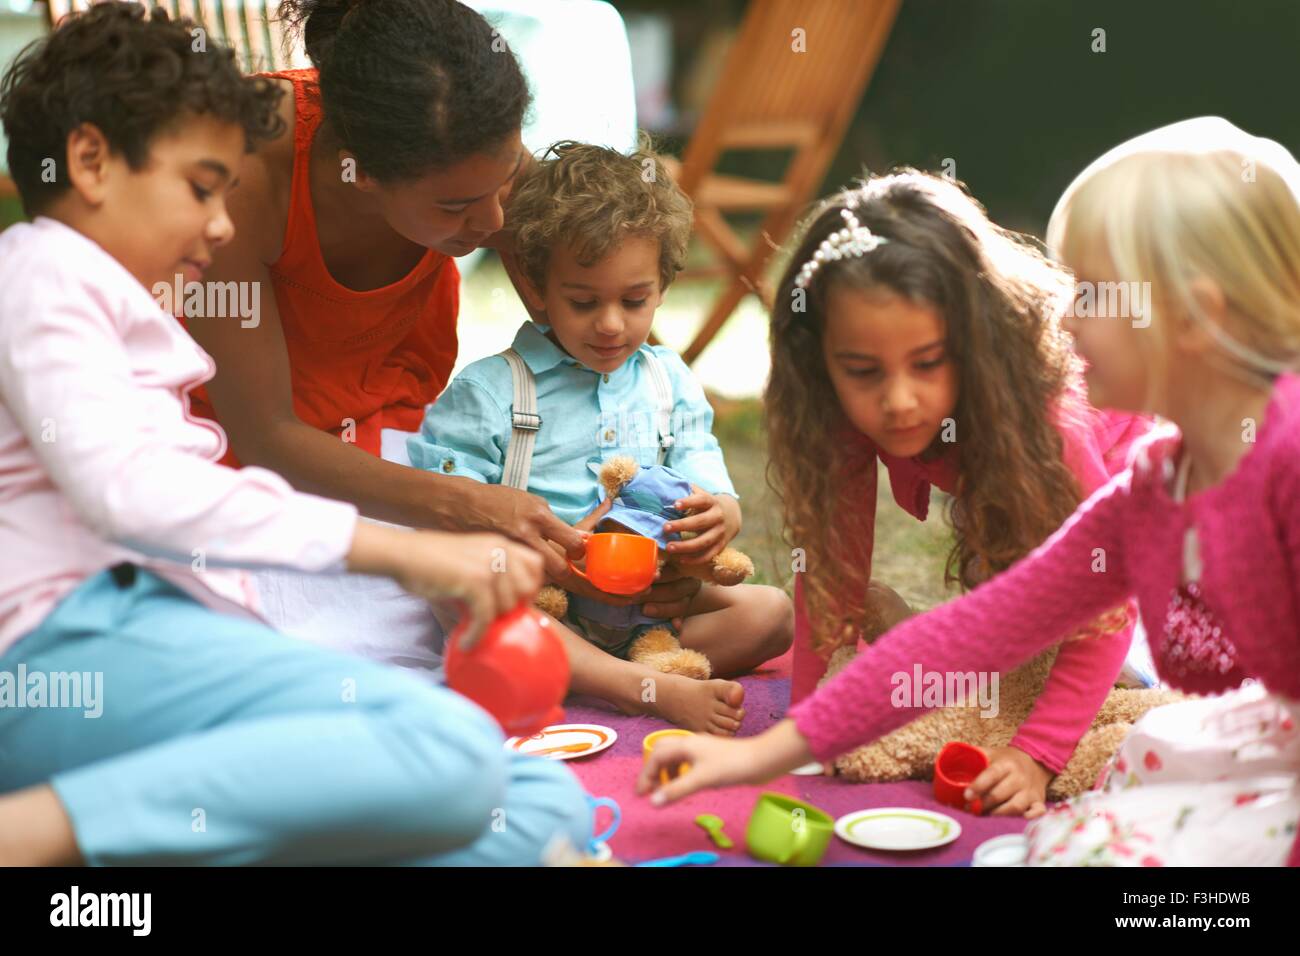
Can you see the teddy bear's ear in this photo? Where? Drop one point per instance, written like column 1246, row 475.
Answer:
column 617, row 472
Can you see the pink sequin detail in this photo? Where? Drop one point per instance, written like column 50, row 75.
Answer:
column 1194, row 642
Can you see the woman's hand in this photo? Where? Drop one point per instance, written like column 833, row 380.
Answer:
column 485, row 574
column 1013, row 784
column 525, row 517
column 721, row 761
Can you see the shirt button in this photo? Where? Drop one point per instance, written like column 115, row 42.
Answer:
column 609, row 434
column 606, row 376
column 448, row 466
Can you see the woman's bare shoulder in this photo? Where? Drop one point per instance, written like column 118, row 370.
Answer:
column 260, row 204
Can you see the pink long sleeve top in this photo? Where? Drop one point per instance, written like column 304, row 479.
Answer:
column 100, row 460
column 1239, row 540
column 1096, row 445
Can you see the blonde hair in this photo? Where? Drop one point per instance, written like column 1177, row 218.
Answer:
column 591, row 198
column 1199, row 198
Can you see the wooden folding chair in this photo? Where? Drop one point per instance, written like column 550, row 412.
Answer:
column 772, row 96
column 248, row 27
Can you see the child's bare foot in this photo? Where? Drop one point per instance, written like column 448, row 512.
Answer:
column 704, row 706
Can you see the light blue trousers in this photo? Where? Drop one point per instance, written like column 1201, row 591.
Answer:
column 224, row 742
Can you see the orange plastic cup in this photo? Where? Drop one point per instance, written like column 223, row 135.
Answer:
column 649, row 744
column 955, row 768
column 620, row 563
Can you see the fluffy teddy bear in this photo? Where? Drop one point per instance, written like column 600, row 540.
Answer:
column 909, row 752
column 642, row 503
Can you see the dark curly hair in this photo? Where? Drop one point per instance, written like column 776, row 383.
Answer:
column 410, row 86
column 131, row 77
column 1001, row 301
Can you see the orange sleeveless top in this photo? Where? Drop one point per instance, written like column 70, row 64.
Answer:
column 373, row 358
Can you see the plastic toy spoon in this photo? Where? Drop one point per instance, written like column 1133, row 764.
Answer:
column 566, row 749
column 713, row 827
column 697, row 858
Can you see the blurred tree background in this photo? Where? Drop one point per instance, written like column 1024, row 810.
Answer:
column 1012, row 92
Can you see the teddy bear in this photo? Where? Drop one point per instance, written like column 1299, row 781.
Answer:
column 909, row 752
column 642, row 502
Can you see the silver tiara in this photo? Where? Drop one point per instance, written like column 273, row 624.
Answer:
column 853, row 240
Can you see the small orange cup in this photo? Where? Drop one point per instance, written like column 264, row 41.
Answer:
column 620, row 563
column 649, row 744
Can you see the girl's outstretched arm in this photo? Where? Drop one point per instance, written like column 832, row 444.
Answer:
column 1055, row 590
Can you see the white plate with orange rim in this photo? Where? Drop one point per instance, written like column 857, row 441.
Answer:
column 565, row 741
column 897, row 828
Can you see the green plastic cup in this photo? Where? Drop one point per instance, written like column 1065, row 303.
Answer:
column 788, row 831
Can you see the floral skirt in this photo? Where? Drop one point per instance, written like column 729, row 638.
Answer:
column 1207, row 782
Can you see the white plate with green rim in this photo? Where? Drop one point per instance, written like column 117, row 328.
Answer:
column 897, row 828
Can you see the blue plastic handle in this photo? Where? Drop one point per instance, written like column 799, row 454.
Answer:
column 696, row 858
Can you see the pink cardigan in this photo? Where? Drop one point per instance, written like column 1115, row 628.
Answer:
column 100, row 460
column 1095, row 448
column 1248, row 528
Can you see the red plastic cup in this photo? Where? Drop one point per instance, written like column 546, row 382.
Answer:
column 518, row 671
column 955, row 768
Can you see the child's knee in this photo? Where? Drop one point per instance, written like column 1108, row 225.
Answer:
column 457, row 759
column 561, row 805
column 773, row 616
column 546, row 810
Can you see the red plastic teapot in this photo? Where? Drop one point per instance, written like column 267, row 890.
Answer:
column 518, row 671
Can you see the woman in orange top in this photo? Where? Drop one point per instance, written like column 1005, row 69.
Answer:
column 405, row 142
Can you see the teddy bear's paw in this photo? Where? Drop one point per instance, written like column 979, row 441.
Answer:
column 553, row 601
column 658, row 640
column 659, row 648
column 730, row 567
column 684, row 662
column 617, row 472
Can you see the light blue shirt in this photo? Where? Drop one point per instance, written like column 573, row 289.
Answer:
column 587, row 418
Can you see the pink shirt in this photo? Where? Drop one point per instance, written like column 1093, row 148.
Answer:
column 100, row 460
column 1095, row 448
column 1246, row 531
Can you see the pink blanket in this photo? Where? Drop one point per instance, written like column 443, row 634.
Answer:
column 649, row 833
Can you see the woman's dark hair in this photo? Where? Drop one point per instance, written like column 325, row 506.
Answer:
column 410, row 86
column 129, row 76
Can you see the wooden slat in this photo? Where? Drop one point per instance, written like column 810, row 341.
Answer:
column 769, row 135
column 254, row 20
column 265, row 47
column 737, row 194
column 232, row 31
